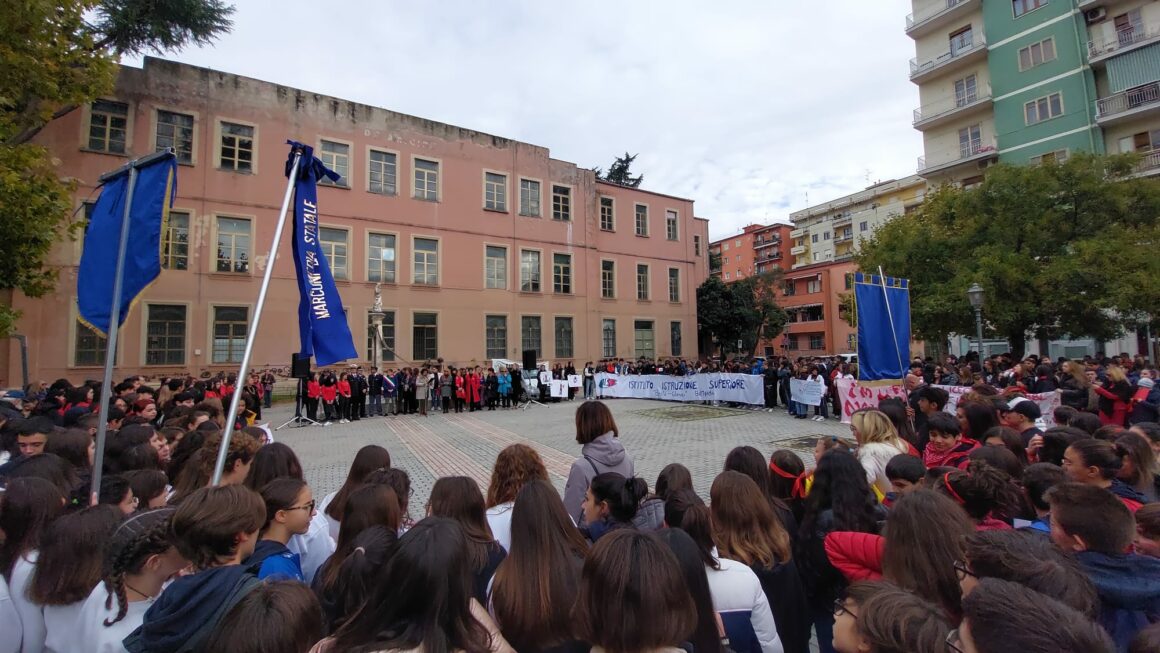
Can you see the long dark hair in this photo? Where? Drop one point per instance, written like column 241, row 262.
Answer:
column 272, row 462
column 422, row 600
column 705, row 637
column 751, row 462
column 356, row 575
column 371, row 505
column 980, row 417
column 27, row 506
column 72, row 555
column 367, row 460
column 459, row 498
column 895, row 409
column 924, row 540
column 840, row 485
column 135, row 540
column 535, row 586
column 673, row 478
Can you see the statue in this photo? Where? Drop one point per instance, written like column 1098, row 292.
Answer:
column 378, row 306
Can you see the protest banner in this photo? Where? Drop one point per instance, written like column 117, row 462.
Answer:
column 855, row 395
column 739, row 388
column 806, row 392
column 558, row 389
column 574, row 381
column 545, row 377
column 1047, row 401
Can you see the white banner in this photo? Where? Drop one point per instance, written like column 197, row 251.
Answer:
column 806, row 392
column 574, row 381
column 1048, row 402
column 558, row 389
column 740, row 388
column 856, row 395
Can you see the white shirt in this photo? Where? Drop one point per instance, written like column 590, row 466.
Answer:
column 31, row 614
column 499, row 518
column 314, row 546
column 10, row 630
column 60, row 627
column 874, row 457
column 736, row 589
column 331, row 522
column 90, row 632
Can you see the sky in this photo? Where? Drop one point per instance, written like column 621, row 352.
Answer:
column 753, row 108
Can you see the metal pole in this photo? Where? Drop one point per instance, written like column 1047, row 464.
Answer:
column 232, row 415
column 890, row 316
column 23, row 340
column 111, row 343
column 979, row 331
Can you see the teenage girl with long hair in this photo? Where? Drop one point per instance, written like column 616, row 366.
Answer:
column 459, row 498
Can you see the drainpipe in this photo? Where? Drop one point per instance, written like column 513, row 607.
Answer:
column 23, row 357
column 1083, row 53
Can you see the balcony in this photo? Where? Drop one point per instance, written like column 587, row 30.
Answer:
column 843, row 238
column 1149, row 165
column 843, row 220
column 766, row 243
column 798, row 251
column 1128, row 104
column 939, row 15
column 975, row 152
column 939, row 113
column 1085, row 5
column 797, row 233
column 959, row 55
column 1124, row 40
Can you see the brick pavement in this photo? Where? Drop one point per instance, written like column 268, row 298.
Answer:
column 655, row 434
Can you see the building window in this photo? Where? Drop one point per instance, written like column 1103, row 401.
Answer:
column 1021, row 7
column 966, row 91
column 426, row 180
column 237, row 151
column 608, row 279
column 863, row 225
column 696, row 245
column 383, row 168
column 494, row 191
column 561, row 203
column 608, row 339
column 388, row 335
column 564, row 337
column 817, row 341
column 849, row 280
column 233, row 245
column 791, row 342
column 176, row 130
column 641, row 281
column 1056, row 157
column 726, row 248
column 496, row 336
column 814, row 238
column 674, row 284
column 607, row 214
column 644, row 339
column 675, row 337
column 825, row 235
column 335, row 248
column 970, row 141
column 530, row 333
column 89, row 347
column 230, row 324
column 336, row 156
column 425, row 337
column 961, row 40
column 381, row 258
column 529, row 271
column 165, row 335
column 530, row 198
column 175, row 242
column 790, row 288
column 1037, row 54
column 1045, row 108
column 562, row 274
column 641, row 213
column 813, row 286
column 726, row 276
column 426, row 262
column 671, row 229
column 108, row 126
column 495, row 268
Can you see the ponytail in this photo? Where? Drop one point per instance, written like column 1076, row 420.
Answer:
column 135, row 540
column 623, row 495
column 981, row 490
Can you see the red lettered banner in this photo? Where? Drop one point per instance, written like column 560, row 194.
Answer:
column 856, row 396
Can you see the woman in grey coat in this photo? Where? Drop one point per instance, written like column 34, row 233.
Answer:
column 601, row 452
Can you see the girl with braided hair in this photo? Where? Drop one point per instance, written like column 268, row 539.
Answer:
column 986, row 493
column 141, row 558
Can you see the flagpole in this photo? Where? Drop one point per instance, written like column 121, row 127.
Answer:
column 232, row 414
column 115, row 314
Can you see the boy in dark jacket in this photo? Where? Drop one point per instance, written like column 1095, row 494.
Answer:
column 215, row 528
column 1095, row 525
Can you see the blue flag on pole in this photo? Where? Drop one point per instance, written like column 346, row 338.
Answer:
column 322, row 326
column 152, row 197
column 883, row 308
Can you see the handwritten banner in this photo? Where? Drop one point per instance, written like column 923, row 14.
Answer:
column 856, row 396
column 806, row 392
column 1047, row 401
column 740, row 388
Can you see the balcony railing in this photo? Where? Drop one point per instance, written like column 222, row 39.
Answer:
column 952, row 105
column 917, row 20
column 966, row 151
column 1133, row 98
column 1150, row 162
column 843, row 238
column 843, row 220
column 957, row 51
column 766, row 243
column 800, row 249
column 1124, row 38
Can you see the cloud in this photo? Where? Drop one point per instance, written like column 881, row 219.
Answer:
column 744, row 106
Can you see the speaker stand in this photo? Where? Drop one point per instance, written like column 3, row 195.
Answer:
column 299, row 419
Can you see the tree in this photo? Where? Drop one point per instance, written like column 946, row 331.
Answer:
column 1060, row 250
column 744, row 311
column 767, row 319
column 54, row 59
column 618, row 172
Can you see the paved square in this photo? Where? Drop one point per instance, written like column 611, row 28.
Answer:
column 655, row 433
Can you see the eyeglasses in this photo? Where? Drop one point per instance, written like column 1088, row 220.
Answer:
column 963, row 570
column 954, row 642
column 309, row 507
column 841, row 609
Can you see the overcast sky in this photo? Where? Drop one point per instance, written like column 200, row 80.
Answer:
column 747, row 107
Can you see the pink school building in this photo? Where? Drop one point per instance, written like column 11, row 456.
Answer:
column 484, row 246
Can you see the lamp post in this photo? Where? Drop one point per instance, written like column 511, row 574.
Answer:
column 975, row 295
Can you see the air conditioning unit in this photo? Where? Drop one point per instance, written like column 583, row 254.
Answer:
column 1095, row 15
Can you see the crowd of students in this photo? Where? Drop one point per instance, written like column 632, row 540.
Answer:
column 922, row 532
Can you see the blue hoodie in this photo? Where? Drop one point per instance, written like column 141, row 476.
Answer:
column 1129, row 589
column 185, row 614
column 275, row 561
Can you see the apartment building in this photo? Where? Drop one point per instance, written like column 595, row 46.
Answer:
column 756, row 250
column 1023, row 81
column 484, row 246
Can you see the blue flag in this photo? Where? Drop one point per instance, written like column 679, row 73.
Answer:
column 322, row 326
column 152, row 198
column 883, row 308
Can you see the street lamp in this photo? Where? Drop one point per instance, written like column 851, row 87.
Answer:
column 975, row 295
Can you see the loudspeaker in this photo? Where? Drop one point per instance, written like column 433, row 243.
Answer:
column 299, row 367
column 529, row 359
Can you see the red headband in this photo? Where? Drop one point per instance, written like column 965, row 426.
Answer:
column 954, row 495
column 779, row 471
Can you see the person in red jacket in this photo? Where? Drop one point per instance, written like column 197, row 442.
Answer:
column 313, row 393
column 475, row 389
column 343, row 391
column 947, row 446
column 329, row 395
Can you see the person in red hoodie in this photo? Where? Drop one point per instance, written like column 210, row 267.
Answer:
column 343, row 390
column 313, row 394
column 947, row 447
